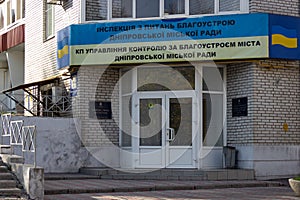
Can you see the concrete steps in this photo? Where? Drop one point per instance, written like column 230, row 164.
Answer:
column 71, row 176
column 8, row 185
column 80, row 186
column 104, row 180
column 5, row 149
column 6, row 176
column 170, row 174
column 7, row 158
column 10, row 192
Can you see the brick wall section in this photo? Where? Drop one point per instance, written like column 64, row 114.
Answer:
column 239, row 84
column 273, row 91
column 97, row 84
column 282, row 7
column 40, row 56
column 277, row 101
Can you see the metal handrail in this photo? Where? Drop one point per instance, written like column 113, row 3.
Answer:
column 5, row 118
column 57, row 103
column 19, row 134
column 5, row 127
column 16, row 135
column 48, row 105
column 29, row 140
column 16, row 132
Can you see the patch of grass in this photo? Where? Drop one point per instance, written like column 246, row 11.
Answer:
column 297, row 178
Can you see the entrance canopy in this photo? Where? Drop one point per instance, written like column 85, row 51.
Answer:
column 33, row 91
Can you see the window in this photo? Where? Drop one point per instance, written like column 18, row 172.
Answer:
column 1, row 17
column 121, row 9
column 213, row 106
column 200, row 7
column 14, row 11
column 165, row 78
column 173, row 7
column 127, row 79
column 229, row 5
column 49, row 20
column 124, row 9
column 165, row 8
column 144, row 8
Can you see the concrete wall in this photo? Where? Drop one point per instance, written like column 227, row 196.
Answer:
column 58, row 145
column 269, row 162
column 31, row 178
column 5, row 82
column 15, row 61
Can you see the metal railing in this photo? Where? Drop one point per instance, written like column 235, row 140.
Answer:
column 5, row 119
column 16, row 132
column 20, row 135
column 29, row 141
column 45, row 105
column 5, row 127
column 16, row 135
column 57, row 104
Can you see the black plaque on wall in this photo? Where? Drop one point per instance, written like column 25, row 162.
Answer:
column 100, row 110
column 240, row 107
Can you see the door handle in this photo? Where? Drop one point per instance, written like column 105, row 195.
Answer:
column 170, row 134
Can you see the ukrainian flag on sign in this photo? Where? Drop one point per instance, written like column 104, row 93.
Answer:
column 63, row 56
column 63, row 48
column 284, row 37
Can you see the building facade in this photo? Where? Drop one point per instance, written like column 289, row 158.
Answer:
column 12, row 14
column 168, row 84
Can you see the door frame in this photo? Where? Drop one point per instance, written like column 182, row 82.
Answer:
column 165, row 148
column 128, row 156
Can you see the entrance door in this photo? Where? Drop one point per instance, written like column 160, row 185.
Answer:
column 166, row 130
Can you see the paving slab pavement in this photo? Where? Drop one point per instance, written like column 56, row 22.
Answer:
column 247, row 193
column 93, row 189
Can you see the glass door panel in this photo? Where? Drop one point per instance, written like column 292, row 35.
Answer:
column 179, row 132
column 180, row 119
column 150, row 123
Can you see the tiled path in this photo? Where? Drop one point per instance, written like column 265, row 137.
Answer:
column 252, row 193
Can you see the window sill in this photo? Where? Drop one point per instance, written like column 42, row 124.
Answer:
column 49, row 38
column 13, row 25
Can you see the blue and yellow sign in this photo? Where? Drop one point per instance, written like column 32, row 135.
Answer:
column 228, row 37
column 284, row 37
column 63, row 56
